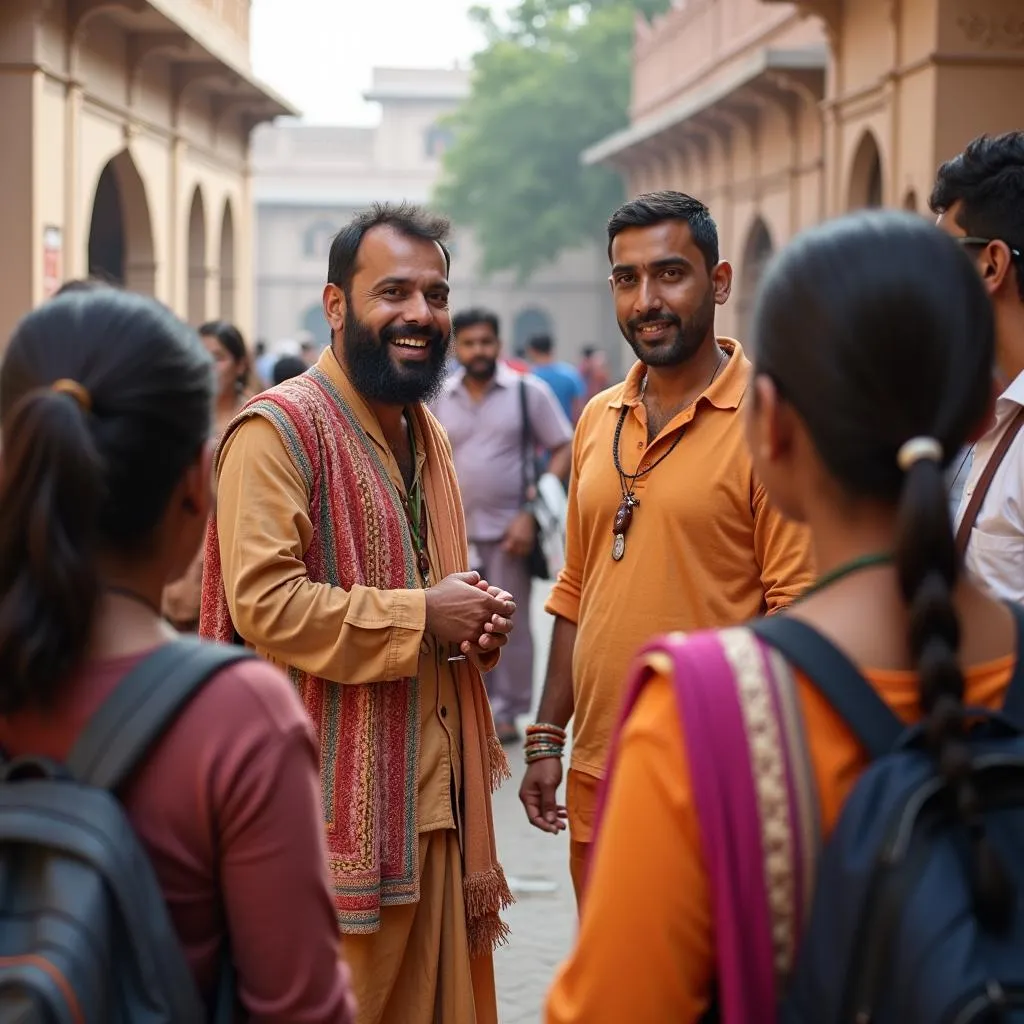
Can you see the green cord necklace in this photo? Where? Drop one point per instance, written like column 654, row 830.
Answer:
column 848, row 569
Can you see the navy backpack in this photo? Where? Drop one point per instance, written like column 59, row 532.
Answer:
column 893, row 936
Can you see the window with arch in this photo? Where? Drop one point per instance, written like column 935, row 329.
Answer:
column 529, row 323
column 865, row 188
column 317, row 238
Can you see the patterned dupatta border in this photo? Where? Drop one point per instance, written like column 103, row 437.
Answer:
column 756, row 802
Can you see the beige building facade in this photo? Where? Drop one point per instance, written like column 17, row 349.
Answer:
column 309, row 180
column 125, row 155
column 779, row 114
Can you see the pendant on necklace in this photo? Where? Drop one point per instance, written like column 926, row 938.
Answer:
column 619, row 547
column 623, row 520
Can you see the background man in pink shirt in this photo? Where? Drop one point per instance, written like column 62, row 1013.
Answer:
column 481, row 407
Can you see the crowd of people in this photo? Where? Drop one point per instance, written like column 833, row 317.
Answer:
column 762, row 587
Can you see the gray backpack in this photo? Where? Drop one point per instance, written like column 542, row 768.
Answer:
column 85, row 936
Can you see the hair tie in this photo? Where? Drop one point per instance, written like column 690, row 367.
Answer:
column 916, row 449
column 67, row 386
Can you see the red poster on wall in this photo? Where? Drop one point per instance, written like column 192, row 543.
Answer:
column 53, row 247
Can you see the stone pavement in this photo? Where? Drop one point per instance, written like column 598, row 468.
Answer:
column 543, row 921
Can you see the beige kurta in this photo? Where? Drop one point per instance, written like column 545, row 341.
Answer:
column 360, row 636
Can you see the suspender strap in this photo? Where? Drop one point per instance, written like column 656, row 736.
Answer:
column 963, row 533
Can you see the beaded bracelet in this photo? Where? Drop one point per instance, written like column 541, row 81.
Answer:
column 543, row 740
column 532, row 754
column 546, row 729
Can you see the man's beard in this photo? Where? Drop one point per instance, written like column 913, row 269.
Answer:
column 688, row 338
column 375, row 374
column 481, row 369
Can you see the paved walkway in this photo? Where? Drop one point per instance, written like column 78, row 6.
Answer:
column 543, row 921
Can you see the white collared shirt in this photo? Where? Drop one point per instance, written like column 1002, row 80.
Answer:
column 995, row 552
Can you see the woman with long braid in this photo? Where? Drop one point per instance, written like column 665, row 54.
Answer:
column 874, row 354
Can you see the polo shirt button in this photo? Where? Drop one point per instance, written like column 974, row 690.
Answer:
column 444, row 711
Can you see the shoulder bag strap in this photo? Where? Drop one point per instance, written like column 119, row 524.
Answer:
column 963, row 533
column 835, row 677
column 529, row 483
column 142, row 707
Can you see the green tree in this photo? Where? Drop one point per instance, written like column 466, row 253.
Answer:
column 553, row 79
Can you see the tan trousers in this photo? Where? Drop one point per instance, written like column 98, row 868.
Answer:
column 416, row 969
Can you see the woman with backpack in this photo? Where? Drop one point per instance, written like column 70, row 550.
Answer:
column 215, row 890
column 741, row 750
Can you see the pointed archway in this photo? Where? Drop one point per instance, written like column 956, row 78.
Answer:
column 197, row 259
column 865, row 189
column 120, row 247
column 228, row 272
column 757, row 252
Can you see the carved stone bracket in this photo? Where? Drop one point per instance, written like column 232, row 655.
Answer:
column 81, row 11
column 144, row 45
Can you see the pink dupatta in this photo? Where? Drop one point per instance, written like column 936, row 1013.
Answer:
column 755, row 799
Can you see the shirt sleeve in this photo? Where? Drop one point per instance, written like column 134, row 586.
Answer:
column 549, row 425
column 647, row 909
column 783, row 551
column 273, row 862
column 564, row 599
column 362, row 635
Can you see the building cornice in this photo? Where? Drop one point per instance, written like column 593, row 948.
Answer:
column 700, row 100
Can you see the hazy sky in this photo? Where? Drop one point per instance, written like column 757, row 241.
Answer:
column 319, row 53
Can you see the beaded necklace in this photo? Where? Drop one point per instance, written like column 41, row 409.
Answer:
column 627, row 481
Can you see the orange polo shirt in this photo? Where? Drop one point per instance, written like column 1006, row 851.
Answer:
column 645, row 951
column 705, row 548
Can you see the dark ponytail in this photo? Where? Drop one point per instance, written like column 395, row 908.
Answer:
column 927, row 566
column 877, row 330
column 50, row 498
column 105, row 400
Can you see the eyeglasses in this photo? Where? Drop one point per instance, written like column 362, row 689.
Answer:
column 972, row 240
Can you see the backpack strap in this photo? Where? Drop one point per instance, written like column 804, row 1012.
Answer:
column 835, row 677
column 142, row 707
column 1013, row 703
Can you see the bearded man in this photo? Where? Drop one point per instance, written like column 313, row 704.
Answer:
column 339, row 552
column 668, row 528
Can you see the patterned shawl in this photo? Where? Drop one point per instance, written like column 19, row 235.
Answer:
column 370, row 734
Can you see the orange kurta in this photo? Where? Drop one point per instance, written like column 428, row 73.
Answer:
column 705, row 550
column 645, row 948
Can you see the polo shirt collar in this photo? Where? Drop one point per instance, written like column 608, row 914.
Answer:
column 726, row 390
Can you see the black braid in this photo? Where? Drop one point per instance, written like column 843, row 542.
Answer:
column 927, row 564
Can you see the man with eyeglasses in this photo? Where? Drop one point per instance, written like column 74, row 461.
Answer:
column 979, row 197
